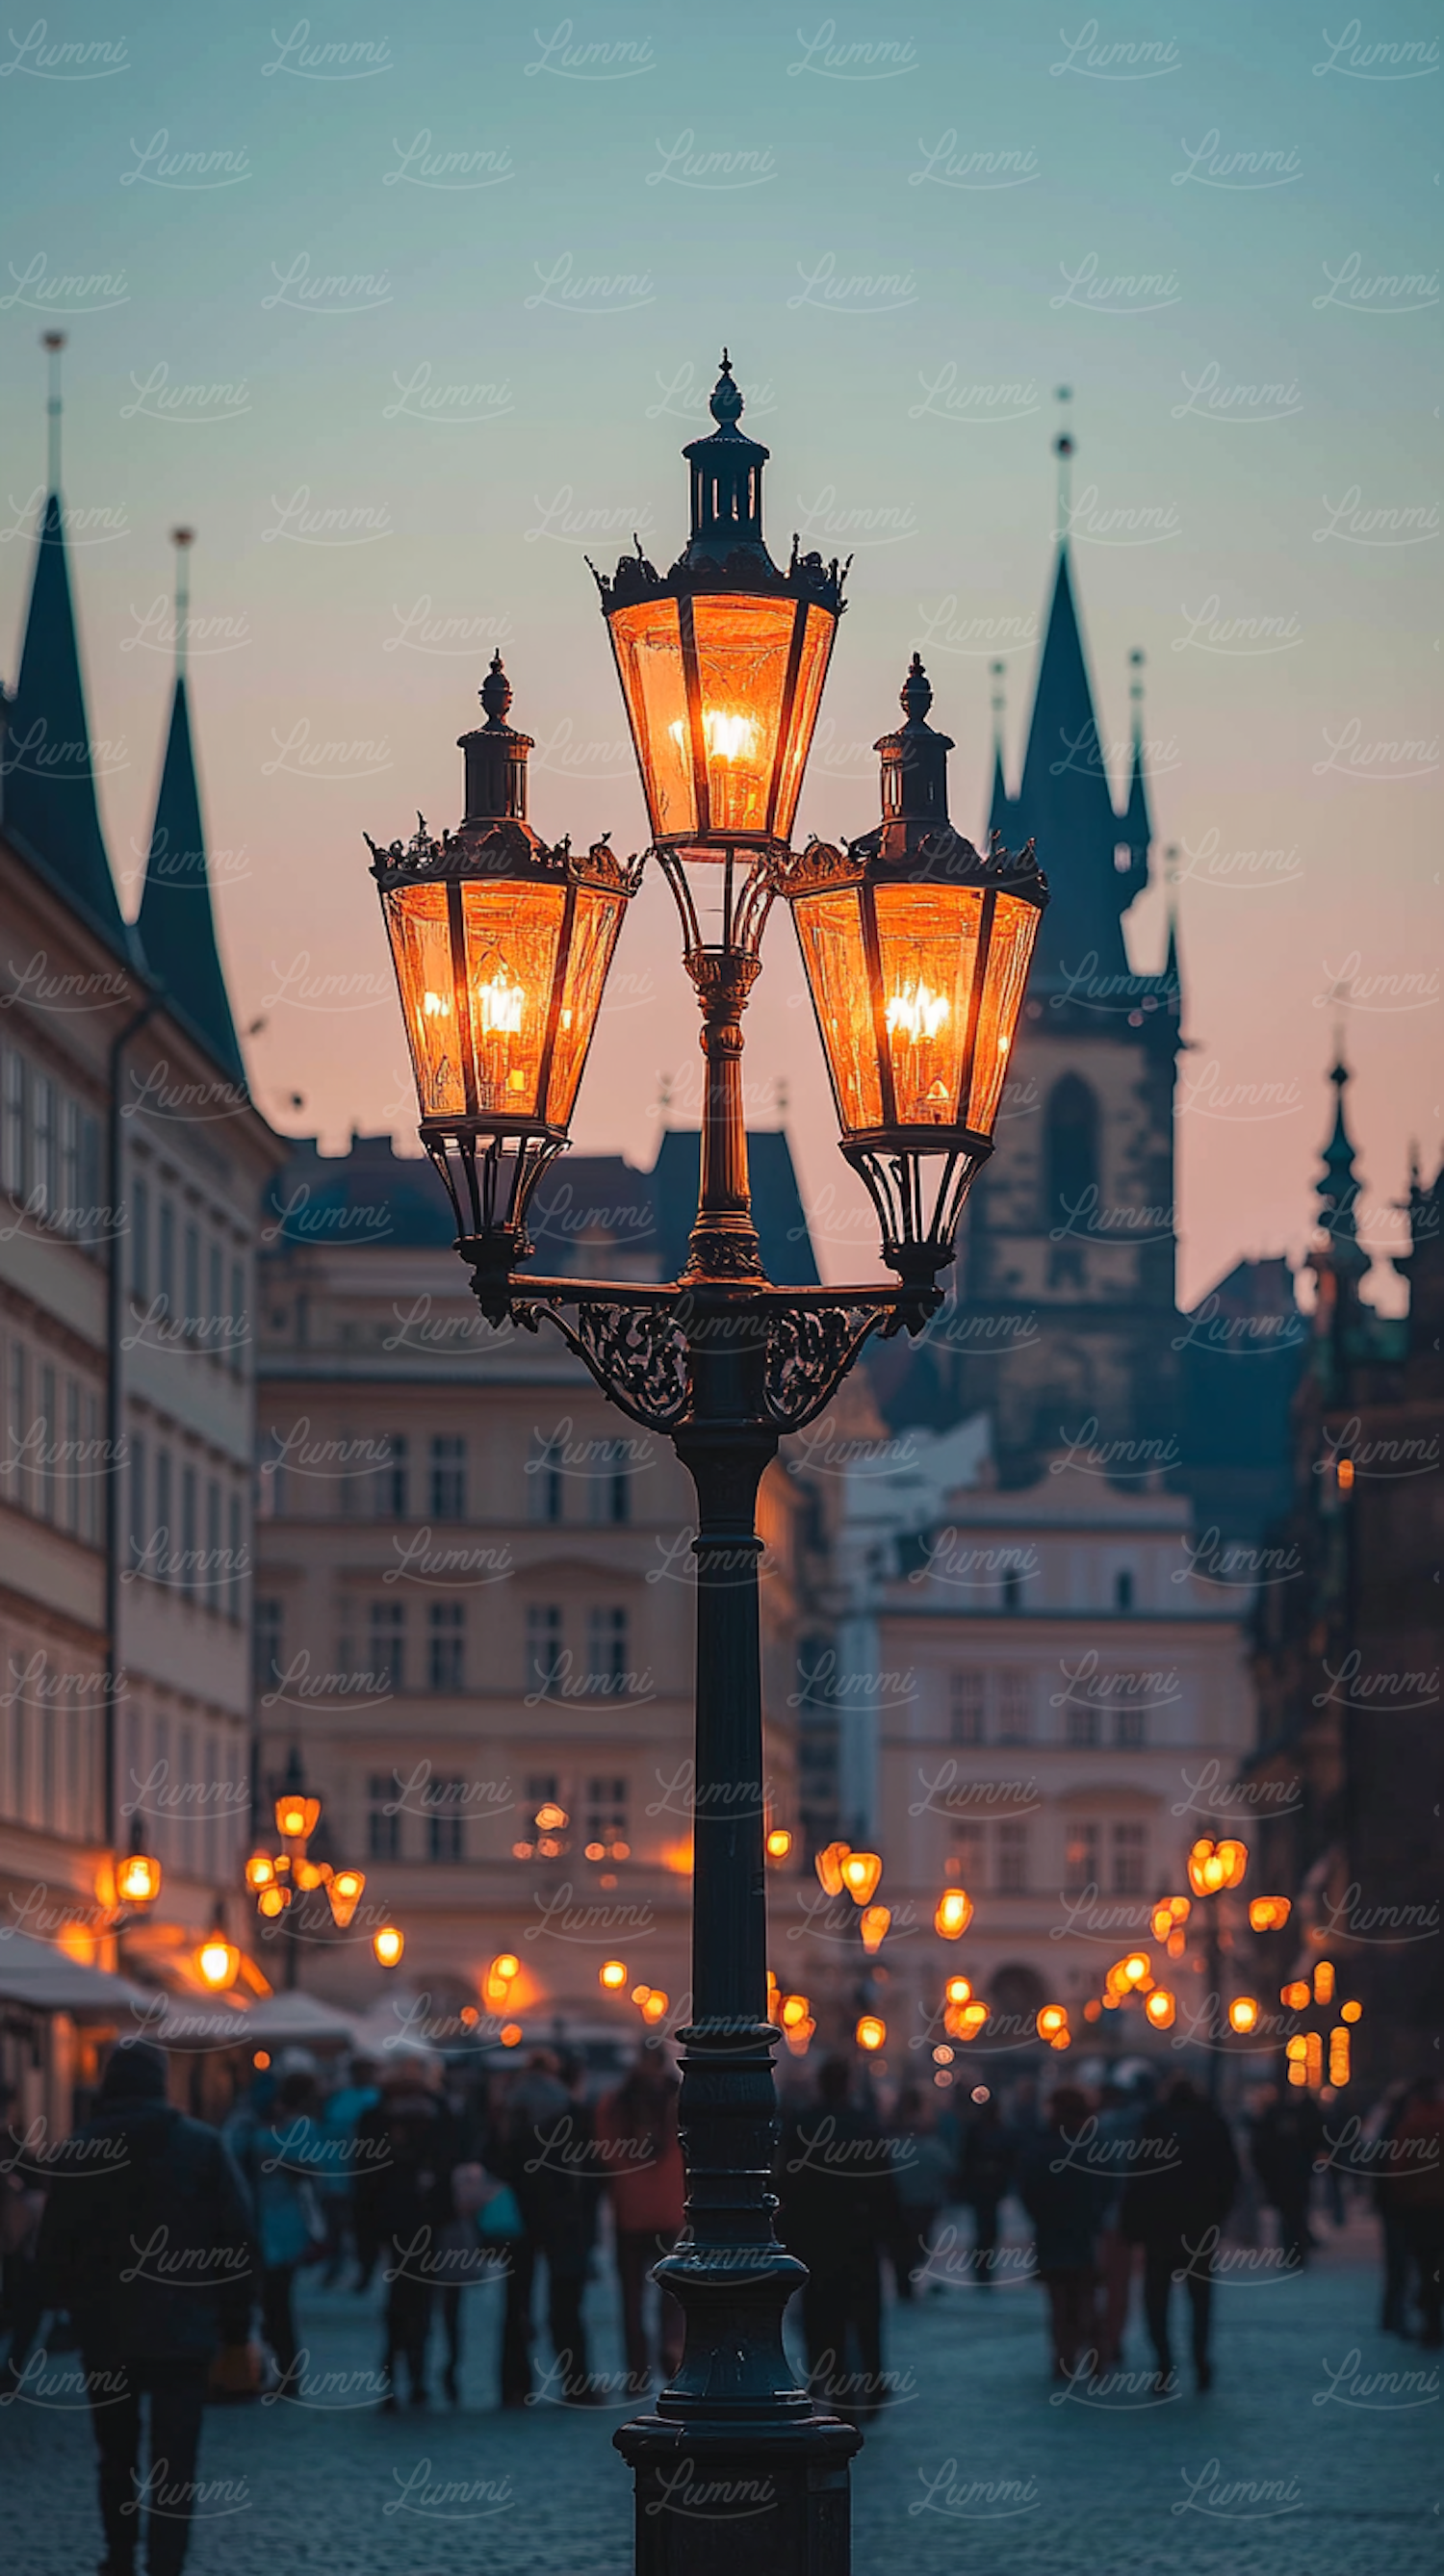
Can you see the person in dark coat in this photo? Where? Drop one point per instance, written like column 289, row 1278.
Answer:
column 543, row 2146
column 839, row 2207
column 985, row 2173
column 147, row 2242
column 1284, row 2136
column 1183, row 2180
column 1066, row 2197
column 406, row 2150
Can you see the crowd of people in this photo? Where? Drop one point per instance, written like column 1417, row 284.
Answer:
column 166, row 2252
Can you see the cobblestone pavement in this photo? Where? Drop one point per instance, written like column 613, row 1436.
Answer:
column 1316, row 2454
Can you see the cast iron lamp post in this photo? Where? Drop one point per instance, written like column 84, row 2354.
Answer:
column 916, row 950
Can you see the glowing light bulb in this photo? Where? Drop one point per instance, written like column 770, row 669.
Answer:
column 916, row 1012
column 953, row 1913
column 871, row 2032
column 726, row 736
column 435, row 1006
column 612, row 1974
column 217, row 1961
column 388, row 1944
column 1243, row 2013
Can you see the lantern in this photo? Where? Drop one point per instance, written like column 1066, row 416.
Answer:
column 1234, row 1857
column 870, row 2033
column 273, row 1900
column 953, row 1913
column 297, row 1816
column 506, row 1966
column 260, row 1872
column 137, row 1879
column 1160, row 2007
column 1295, row 1995
column 795, row 2008
column 501, row 948
column 828, row 1865
column 958, row 1990
column 722, row 663
column 873, row 1923
column 1269, row 1913
column 1324, row 1981
column 1351, row 2012
column 779, row 1843
column 654, row 2009
column 1243, row 2013
column 1051, row 2020
column 388, row 1943
column 916, row 950
column 612, row 1975
column 217, row 1960
column 860, row 1874
column 343, row 1891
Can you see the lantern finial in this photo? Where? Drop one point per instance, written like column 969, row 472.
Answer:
column 726, row 404
column 495, row 693
column 917, row 695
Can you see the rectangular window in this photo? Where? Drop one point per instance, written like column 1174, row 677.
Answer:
column 383, row 1817
column 1012, row 1860
column 165, row 1258
column 387, row 1629
column 1081, row 1860
column 1015, row 1707
column 215, row 1570
column 609, row 1492
column 18, row 1475
column 193, row 1279
column 190, row 1538
column 965, row 1708
column 216, row 1303
column 606, row 1820
column 1130, row 1725
column 545, row 1494
column 67, row 1212
column 1080, row 1723
column 92, row 1515
column 95, row 1230
column 444, row 1819
column 391, row 1484
column 446, row 1645
column 267, row 1623
column 967, row 1858
column 543, row 1645
column 448, row 1477
column 234, row 1587
column 14, row 1139
column 74, row 1465
column 42, row 1143
column 607, row 1661
column 140, row 1241
column 1129, row 1858
column 46, row 1430
column 236, row 1320
column 163, row 1556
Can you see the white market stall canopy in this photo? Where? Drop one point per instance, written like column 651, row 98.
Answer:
column 46, row 1978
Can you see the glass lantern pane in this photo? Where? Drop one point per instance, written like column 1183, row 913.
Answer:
column 512, row 936
column 743, row 648
column 416, row 924
column 595, row 925
column 927, row 938
column 1015, row 927
column 816, row 648
column 829, row 931
column 649, row 660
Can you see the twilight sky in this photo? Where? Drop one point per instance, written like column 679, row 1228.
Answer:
column 406, row 310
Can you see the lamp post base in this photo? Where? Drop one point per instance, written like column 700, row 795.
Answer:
column 713, row 2494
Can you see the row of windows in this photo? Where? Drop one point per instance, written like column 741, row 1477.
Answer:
column 385, row 1479
column 182, row 1277
column 997, row 1708
column 428, row 1651
column 187, row 1789
column 186, row 1530
column 50, row 1745
column 1000, row 1858
column 52, row 1463
column 434, row 1824
column 50, row 1151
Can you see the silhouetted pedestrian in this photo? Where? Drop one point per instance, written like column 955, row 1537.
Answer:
column 1284, row 2136
column 985, row 2176
column 280, row 2160
column 923, row 2174
column 543, row 2147
column 1419, row 2199
column 838, row 2196
column 1184, row 2177
column 402, row 2199
column 640, row 2156
column 147, row 2241
column 1064, row 2195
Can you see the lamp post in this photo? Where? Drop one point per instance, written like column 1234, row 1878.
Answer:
column 916, row 951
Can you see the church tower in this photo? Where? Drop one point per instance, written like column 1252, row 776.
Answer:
column 1063, row 1314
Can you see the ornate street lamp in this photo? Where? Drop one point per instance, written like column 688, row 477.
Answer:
column 917, row 952
column 916, row 949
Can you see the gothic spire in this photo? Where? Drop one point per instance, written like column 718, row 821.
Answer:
column 47, row 776
column 1339, row 1188
column 175, row 923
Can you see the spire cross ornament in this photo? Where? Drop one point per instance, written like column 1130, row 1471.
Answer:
column 1063, row 449
column 182, row 539
column 53, row 343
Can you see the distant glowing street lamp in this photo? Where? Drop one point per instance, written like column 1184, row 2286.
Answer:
column 218, row 1960
column 828, row 1865
column 1269, row 1913
column 612, row 1975
column 871, row 2033
column 953, row 1913
column 1160, row 2007
column 344, row 1889
column 860, row 1874
column 388, row 1942
column 1243, row 2013
column 138, row 1879
column 873, row 1923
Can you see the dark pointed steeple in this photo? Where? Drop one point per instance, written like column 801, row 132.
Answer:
column 1339, row 1188
column 47, row 777
column 1000, row 808
column 1137, row 820
column 175, row 922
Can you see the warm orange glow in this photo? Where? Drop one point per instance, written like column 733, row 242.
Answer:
column 953, row 1913
column 1296, row 2048
column 1269, row 1913
column 272, row 1901
column 1314, row 2058
column 1295, row 1995
column 828, row 1866
column 860, row 1874
column 1234, row 1856
column 388, row 1944
column 217, row 1960
column 873, row 1925
column 1051, row 2020
column 1243, row 2013
column 1136, row 1967
column 779, row 1843
column 1345, row 1474
column 639, row 1994
column 551, row 1819
column 309, row 1874
column 734, row 774
column 137, row 1879
column 510, row 2034
column 799, row 2035
column 1324, row 1982
column 260, row 1872
column 1177, row 1942
column 261, row 2060
column 1338, row 2056
column 959, row 1990
column 1160, row 2007
column 1093, row 2009
column 506, row 1965
column 613, row 1975
column 1351, row 2012
column 344, row 1891
column 795, row 2008
column 965, row 2020
column 297, row 1817
column 1180, row 1908
column 871, row 2032
column 655, row 2007
column 1161, row 1921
